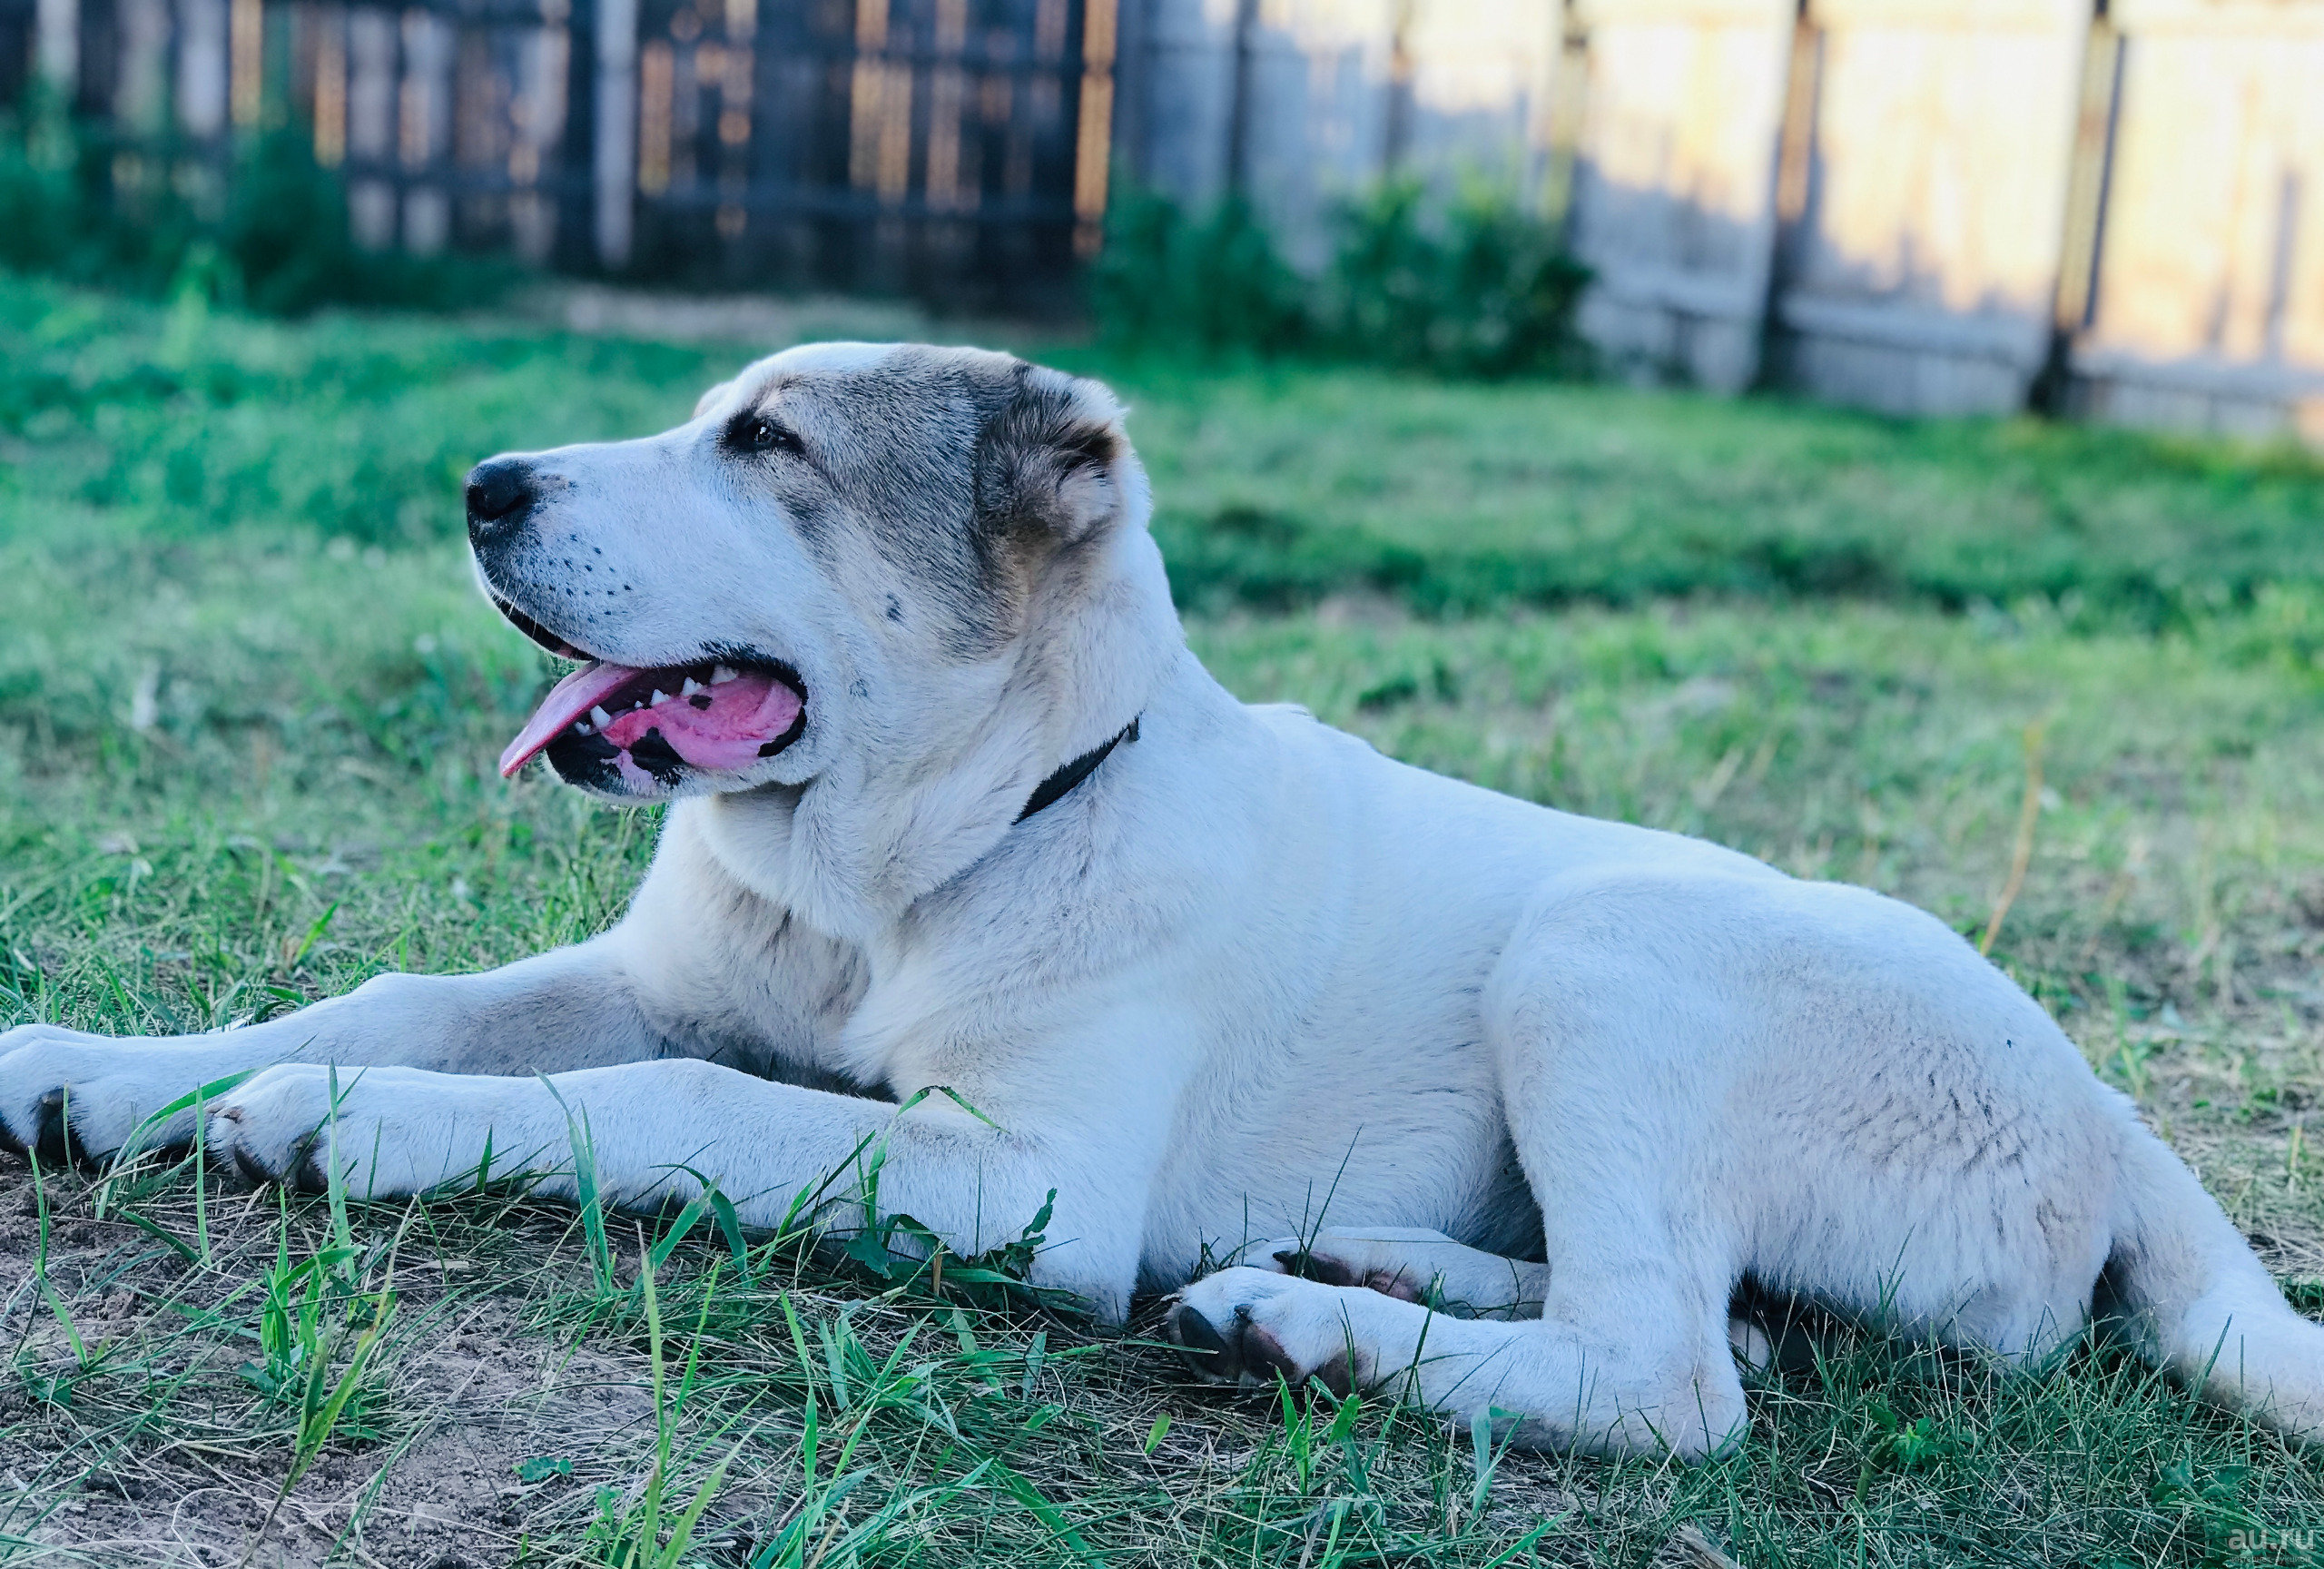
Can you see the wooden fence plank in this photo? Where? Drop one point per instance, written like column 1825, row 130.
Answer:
column 1923, row 275
column 1923, row 206
column 2210, row 307
column 1673, row 188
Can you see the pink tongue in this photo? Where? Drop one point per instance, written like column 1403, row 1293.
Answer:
column 566, row 701
column 740, row 717
column 743, row 714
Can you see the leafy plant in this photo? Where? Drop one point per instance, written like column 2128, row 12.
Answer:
column 1482, row 289
column 2212, row 1504
column 1213, row 282
column 265, row 230
column 1901, row 1446
column 311, row 1318
column 1476, row 287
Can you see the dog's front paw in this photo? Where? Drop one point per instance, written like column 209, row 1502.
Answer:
column 69, row 1095
column 389, row 1132
column 1249, row 1326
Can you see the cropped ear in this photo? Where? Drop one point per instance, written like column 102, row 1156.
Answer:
column 1053, row 468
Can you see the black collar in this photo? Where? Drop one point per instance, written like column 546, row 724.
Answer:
column 1057, row 784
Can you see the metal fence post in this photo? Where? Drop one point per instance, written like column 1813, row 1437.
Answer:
column 616, row 160
column 1238, row 102
column 1569, row 93
column 1093, row 143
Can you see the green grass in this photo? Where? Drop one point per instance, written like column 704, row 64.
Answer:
column 1275, row 489
column 248, row 708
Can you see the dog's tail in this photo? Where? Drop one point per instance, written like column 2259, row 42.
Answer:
column 2187, row 1293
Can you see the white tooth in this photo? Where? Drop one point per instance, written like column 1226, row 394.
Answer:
column 724, row 673
column 690, row 687
column 600, row 716
column 582, row 728
column 659, row 698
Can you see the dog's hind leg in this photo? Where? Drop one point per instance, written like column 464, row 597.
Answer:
column 1767, row 1331
column 1629, row 1360
column 1627, row 1351
column 1601, row 1068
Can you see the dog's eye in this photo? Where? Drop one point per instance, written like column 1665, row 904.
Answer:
column 756, row 433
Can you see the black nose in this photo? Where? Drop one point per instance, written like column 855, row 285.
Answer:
column 501, row 494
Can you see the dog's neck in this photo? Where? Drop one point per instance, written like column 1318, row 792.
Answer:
column 1058, row 785
column 849, row 852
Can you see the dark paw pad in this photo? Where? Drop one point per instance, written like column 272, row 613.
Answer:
column 306, row 1174
column 1336, row 1376
column 1327, row 1270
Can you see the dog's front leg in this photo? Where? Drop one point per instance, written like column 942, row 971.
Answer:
column 657, row 1131
column 573, row 1008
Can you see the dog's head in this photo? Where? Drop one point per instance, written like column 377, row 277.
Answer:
column 867, row 562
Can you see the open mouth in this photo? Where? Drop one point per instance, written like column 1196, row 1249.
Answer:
column 720, row 712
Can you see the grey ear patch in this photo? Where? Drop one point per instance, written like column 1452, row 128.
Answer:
column 1043, row 460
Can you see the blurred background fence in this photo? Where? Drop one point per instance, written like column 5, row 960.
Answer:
column 919, row 145
column 2112, row 208
column 1924, row 206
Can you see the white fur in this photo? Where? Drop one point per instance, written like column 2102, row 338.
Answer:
column 1250, row 978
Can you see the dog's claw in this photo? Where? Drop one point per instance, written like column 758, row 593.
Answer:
column 1209, row 1355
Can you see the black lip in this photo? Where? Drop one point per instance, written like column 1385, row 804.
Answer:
column 798, row 726
column 742, row 656
column 534, row 629
column 590, row 762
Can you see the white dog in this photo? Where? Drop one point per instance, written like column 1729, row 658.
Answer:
column 953, row 805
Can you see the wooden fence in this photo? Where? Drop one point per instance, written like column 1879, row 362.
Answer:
column 1916, row 205
column 953, row 148
column 2113, row 207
